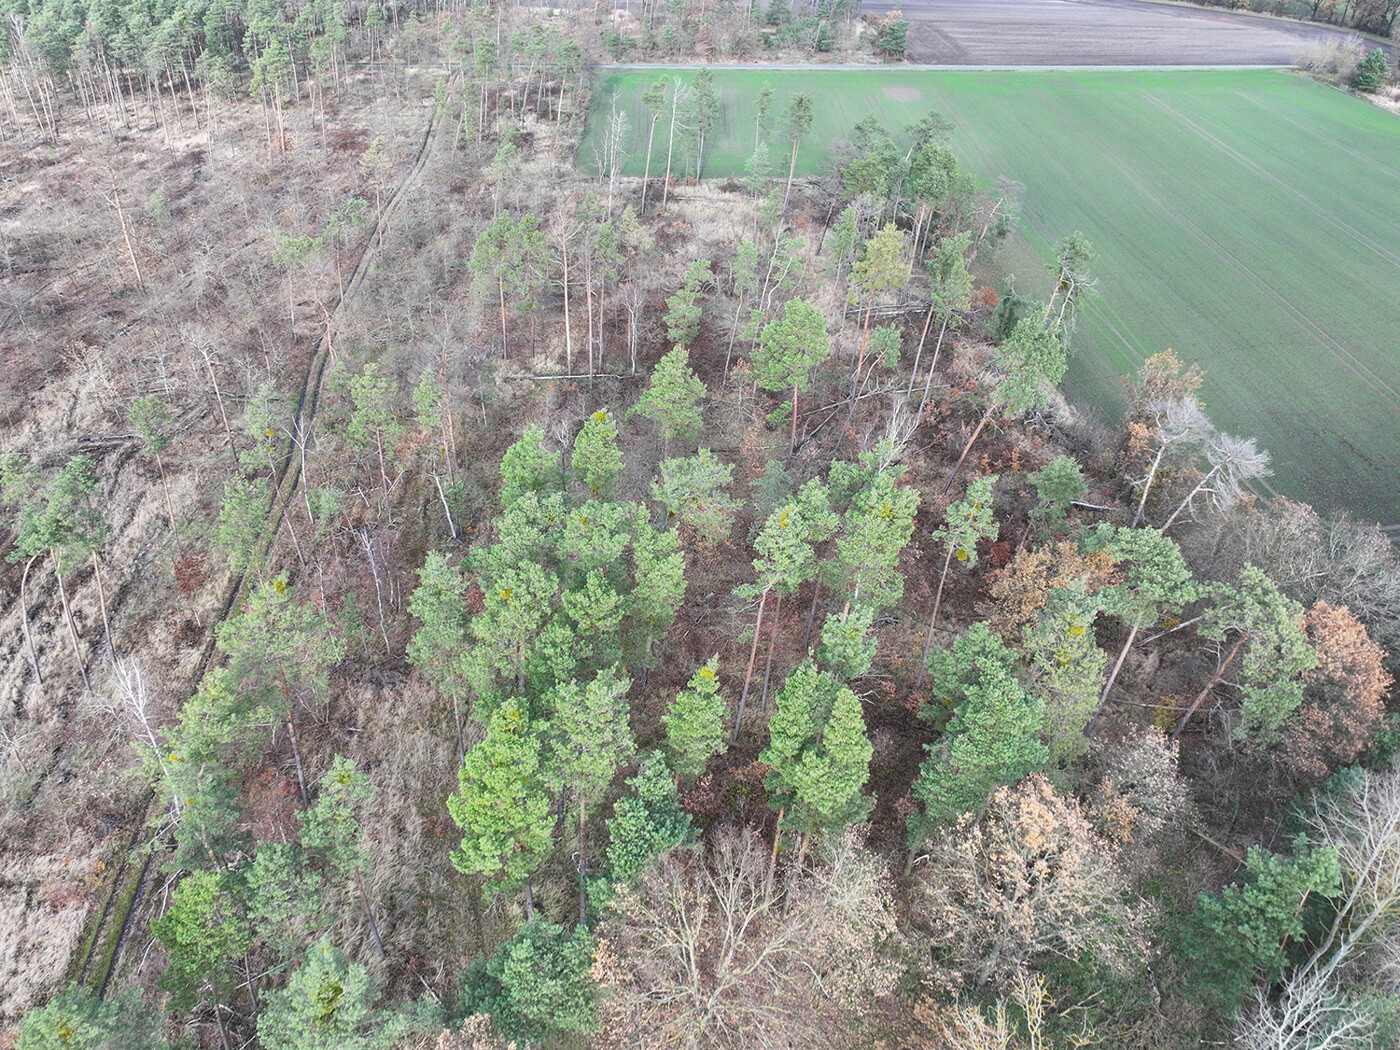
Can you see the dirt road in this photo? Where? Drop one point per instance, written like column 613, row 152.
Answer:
column 1095, row 32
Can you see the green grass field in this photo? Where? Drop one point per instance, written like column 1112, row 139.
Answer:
column 1248, row 220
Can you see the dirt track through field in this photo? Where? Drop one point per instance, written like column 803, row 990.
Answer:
column 1097, row 33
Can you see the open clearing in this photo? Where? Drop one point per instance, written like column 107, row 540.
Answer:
column 1245, row 219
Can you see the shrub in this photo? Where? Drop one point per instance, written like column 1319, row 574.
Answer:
column 1371, row 72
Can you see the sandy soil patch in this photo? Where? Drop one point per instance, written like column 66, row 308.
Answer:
column 902, row 94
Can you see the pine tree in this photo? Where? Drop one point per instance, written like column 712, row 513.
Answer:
column 197, row 784
column 75, row 1019
column 501, row 806
column 280, row 648
column 437, row 647
column 506, row 260
column 819, row 754
column 538, row 983
column 880, row 271
column 528, row 533
column 1242, row 931
column 658, row 591
column 695, row 723
column 1031, row 359
column 286, row 896
column 527, row 467
column 153, row 420
column 646, row 824
column 63, row 523
column 597, row 461
column 1157, row 583
column 763, row 103
column 788, row 349
column 1068, row 667
column 519, row 604
column 330, row 829
column 745, row 285
column 785, row 561
column 992, row 741
column 328, row 1004
column 691, row 491
column 331, row 835
column 876, row 528
column 596, row 611
column 965, row 523
column 1057, row 484
column 797, row 121
column 705, row 108
column 63, row 520
column 683, row 309
column 1371, row 72
column 845, row 233
column 1268, row 658
column 374, row 420
column 672, row 399
column 203, row 935
column 848, row 647
column 654, row 99
column 591, row 738
column 950, row 293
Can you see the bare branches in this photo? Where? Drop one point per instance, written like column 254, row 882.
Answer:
column 1234, row 462
column 1177, row 422
column 1309, row 1015
column 708, row 952
column 1363, row 826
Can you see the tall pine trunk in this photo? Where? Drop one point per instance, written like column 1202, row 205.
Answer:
column 646, row 173
column 24, row 619
column 1113, row 675
column 772, row 647
column 1215, row 680
column 792, row 169
column 753, row 657
column 968, row 448
column 932, row 620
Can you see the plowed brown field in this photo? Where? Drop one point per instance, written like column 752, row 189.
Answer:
column 1096, row 33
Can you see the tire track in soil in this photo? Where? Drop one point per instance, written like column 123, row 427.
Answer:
column 1307, row 202
column 1332, row 143
column 288, row 485
column 1324, row 338
column 1097, row 307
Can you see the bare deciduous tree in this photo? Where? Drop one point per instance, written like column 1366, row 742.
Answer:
column 1309, row 1015
column 1175, row 423
column 708, row 952
column 1234, row 462
column 1027, row 880
column 612, row 154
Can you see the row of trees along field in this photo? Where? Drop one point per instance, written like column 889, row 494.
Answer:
column 182, row 63
column 1368, row 16
column 706, row 626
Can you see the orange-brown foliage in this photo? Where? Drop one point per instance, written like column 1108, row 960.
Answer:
column 1024, row 587
column 1346, row 695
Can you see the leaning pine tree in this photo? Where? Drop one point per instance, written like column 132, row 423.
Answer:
column 964, row 523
